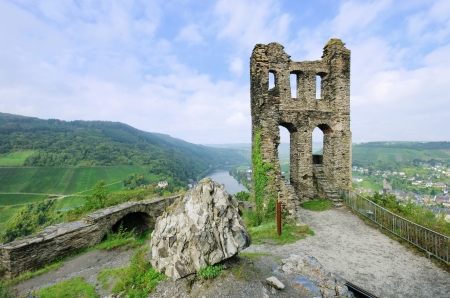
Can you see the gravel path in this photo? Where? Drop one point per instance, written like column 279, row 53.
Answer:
column 365, row 256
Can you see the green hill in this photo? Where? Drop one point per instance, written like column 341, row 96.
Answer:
column 401, row 151
column 42, row 159
column 27, row 141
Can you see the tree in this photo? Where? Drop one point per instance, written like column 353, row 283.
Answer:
column 98, row 198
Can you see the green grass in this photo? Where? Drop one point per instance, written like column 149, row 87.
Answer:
column 266, row 233
column 396, row 154
column 71, row 288
column 20, row 199
column 7, row 212
column 15, row 159
column 125, row 239
column 317, row 205
column 61, row 180
column 254, row 256
column 136, row 280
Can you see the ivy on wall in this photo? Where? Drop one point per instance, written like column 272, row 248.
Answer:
column 261, row 179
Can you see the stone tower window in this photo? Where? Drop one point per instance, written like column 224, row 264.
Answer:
column 271, row 79
column 318, row 87
column 294, row 83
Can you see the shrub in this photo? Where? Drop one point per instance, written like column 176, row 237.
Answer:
column 210, row 272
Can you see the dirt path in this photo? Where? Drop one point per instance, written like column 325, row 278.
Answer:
column 365, row 256
column 86, row 265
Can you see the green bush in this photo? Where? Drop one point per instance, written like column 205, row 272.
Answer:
column 210, row 272
column 413, row 212
column 243, row 196
column 30, row 219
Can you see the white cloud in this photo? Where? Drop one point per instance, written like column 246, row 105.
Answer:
column 251, row 22
column 190, row 34
column 236, row 66
column 356, row 15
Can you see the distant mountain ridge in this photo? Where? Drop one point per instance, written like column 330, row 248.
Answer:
column 56, row 142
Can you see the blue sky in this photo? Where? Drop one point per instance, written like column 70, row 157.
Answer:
column 182, row 67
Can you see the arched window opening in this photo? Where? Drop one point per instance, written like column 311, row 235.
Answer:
column 294, row 80
column 284, row 153
column 318, row 87
column 271, row 79
column 137, row 221
column 317, row 145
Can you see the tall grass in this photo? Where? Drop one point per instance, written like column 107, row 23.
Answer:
column 136, row 280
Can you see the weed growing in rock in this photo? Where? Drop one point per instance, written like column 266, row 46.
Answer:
column 210, row 272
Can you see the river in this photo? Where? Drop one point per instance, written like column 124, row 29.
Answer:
column 222, row 176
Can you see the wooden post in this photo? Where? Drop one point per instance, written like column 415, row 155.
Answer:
column 278, row 215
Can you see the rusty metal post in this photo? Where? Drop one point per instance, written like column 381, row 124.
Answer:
column 279, row 218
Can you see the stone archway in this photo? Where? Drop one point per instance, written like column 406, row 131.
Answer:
column 137, row 221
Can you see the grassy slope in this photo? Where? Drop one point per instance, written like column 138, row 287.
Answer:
column 60, row 180
column 15, row 158
column 396, row 154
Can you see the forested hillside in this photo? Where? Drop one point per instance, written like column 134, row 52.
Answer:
column 445, row 145
column 101, row 143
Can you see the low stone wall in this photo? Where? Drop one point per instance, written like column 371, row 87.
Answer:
column 35, row 251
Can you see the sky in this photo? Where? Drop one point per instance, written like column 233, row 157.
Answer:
column 182, row 67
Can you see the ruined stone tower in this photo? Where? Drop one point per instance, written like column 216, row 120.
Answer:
column 300, row 113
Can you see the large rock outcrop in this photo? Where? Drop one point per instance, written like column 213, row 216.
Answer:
column 203, row 228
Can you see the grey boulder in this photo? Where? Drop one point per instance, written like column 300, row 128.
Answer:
column 204, row 228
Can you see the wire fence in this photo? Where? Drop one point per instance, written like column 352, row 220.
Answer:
column 430, row 241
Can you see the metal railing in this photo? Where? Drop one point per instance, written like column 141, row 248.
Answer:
column 433, row 243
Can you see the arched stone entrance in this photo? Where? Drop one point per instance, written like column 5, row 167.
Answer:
column 137, row 221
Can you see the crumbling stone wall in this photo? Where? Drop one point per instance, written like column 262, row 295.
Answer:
column 300, row 113
column 35, row 251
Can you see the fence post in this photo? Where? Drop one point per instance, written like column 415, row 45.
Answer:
column 279, row 218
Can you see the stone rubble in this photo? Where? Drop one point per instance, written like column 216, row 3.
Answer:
column 204, row 228
column 308, row 275
column 274, row 282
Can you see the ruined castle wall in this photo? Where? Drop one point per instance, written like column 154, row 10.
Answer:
column 300, row 112
column 57, row 241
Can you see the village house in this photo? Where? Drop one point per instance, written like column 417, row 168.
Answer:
column 163, row 184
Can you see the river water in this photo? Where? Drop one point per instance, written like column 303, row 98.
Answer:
column 222, row 176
